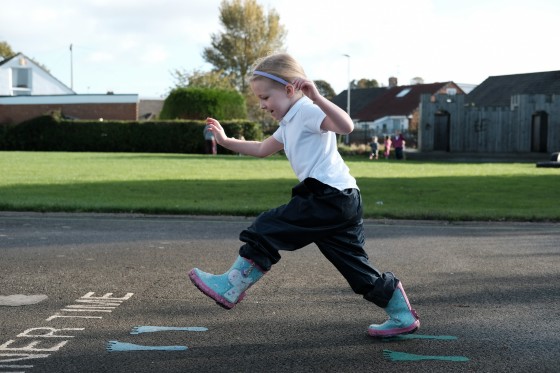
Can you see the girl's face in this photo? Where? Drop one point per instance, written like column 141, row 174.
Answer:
column 273, row 97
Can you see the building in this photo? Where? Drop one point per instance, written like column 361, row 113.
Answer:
column 21, row 76
column 498, row 90
column 359, row 98
column 389, row 110
column 517, row 113
column 27, row 90
column 397, row 109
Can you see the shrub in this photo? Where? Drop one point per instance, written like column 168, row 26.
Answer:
column 200, row 103
column 47, row 133
column 354, row 149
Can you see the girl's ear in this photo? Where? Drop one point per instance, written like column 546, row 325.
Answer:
column 290, row 90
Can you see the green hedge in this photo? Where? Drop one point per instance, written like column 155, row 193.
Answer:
column 48, row 133
column 201, row 103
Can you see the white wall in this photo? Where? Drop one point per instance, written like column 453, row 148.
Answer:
column 387, row 125
column 41, row 82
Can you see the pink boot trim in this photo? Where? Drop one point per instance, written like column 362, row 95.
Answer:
column 211, row 293
column 397, row 331
column 391, row 332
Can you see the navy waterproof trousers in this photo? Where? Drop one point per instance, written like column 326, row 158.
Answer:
column 330, row 218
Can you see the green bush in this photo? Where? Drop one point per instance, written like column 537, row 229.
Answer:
column 48, row 133
column 201, row 103
column 3, row 134
column 354, row 149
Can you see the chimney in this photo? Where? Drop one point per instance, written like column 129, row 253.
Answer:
column 393, row 82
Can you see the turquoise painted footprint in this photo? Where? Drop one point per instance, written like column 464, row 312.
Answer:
column 405, row 356
column 115, row 346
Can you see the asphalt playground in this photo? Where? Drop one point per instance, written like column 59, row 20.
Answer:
column 110, row 293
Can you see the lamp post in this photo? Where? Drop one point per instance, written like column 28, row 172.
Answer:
column 349, row 85
column 71, row 68
column 348, row 95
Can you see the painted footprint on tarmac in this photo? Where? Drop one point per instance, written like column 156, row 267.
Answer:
column 404, row 356
column 115, row 346
column 152, row 329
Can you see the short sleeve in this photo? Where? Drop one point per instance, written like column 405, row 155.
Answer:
column 278, row 135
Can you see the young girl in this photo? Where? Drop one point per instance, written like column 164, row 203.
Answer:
column 325, row 208
column 387, row 150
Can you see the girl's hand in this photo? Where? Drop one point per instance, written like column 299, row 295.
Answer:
column 216, row 128
column 307, row 87
column 336, row 120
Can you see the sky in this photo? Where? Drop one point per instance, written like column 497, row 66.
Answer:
column 133, row 46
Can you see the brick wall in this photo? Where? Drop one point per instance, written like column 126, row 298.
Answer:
column 14, row 114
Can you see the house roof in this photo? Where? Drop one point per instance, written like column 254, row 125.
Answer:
column 400, row 100
column 39, row 66
column 359, row 98
column 18, row 55
column 4, row 60
column 497, row 90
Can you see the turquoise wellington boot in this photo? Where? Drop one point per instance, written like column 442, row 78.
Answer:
column 228, row 289
column 402, row 318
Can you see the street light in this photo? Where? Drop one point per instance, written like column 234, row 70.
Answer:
column 71, row 68
column 349, row 85
column 348, row 96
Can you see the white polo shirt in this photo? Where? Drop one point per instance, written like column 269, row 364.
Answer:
column 311, row 151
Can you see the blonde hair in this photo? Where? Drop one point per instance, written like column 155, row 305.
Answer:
column 281, row 65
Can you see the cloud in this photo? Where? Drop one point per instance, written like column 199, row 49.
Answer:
column 154, row 54
column 101, row 56
column 132, row 45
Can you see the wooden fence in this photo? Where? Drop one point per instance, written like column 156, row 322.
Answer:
column 530, row 124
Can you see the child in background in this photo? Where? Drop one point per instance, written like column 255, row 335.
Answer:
column 387, row 143
column 326, row 205
column 374, row 144
column 398, row 144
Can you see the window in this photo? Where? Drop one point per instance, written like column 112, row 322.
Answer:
column 21, row 78
column 403, row 93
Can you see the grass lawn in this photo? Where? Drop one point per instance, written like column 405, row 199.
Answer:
column 240, row 185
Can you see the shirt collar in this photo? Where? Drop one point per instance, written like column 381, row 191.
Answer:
column 294, row 109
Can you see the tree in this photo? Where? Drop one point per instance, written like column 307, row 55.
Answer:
column 5, row 50
column 366, row 83
column 325, row 89
column 249, row 34
column 202, row 79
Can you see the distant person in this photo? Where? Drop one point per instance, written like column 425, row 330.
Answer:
column 374, row 144
column 326, row 205
column 210, row 145
column 398, row 144
column 387, row 144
